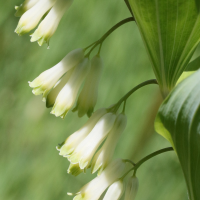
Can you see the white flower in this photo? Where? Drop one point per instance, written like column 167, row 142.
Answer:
column 131, row 188
column 50, row 23
column 115, row 191
column 26, row 5
column 94, row 189
column 88, row 96
column 105, row 154
column 87, row 147
column 46, row 80
column 75, row 139
column 67, row 96
column 31, row 18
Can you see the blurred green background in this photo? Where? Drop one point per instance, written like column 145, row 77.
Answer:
column 30, row 167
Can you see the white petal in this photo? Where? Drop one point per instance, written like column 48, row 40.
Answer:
column 67, row 95
column 31, row 18
column 94, row 189
column 73, row 140
column 86, row 149
column 50, row 23
column 115, row 191
column 105, row 154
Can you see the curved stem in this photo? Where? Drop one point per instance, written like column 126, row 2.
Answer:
column 125, row 97
column 151, row 156
column 101, row 40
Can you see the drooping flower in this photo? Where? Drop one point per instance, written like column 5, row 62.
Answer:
column 94, row 189
column 47, row 80
column 26, row 5
column 84, row 152
column 31, row 18
column 105, row 154
column 131, row 188
column 115, row 191
column 75, row 139
column 88, row 96
column 50, row 23
column 67, row 95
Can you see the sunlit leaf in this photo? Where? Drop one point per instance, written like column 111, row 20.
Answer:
column 190, row 69
column 178, row 120
column 171, row 32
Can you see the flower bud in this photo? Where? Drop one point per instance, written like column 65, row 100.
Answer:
column 48, row 26
column 31, row 18
column 105, row 154
column 20, row 10
column 88, row 96
column 47, row 80
column 131, row 188
column 67, row 96
column 87, row 147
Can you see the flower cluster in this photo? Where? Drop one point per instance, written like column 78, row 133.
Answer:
column 32, row 11
column 80, row 149
column 113, row 179
column 60, row 84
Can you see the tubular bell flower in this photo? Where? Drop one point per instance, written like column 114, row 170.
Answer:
column 67, row 95
column 73, row 140
column 88, row 96
column 46, row 80
column 104, row 155
column 50, row 23
column 115, row 191
column 84, row 152
column 94, row 189
column 131, row 188
column 20, row 10
column 31, row 18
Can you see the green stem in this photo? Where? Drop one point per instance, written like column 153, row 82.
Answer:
column 101, row 40
column 125, row 97
column 151, row 156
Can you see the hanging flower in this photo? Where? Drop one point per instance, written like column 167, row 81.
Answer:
column 84, row 152
column 20, row 10
column 105, row 154
column 88, row 96
column 50, row 23
column 131, row 188
column 46, row 80
column 115, row 191
column 67, row 147
column 31, row 18
column 67, row 95
column 94, row 189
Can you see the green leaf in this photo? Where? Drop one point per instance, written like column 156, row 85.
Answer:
column 171, row 31
column 190, row 69
column 178, row 120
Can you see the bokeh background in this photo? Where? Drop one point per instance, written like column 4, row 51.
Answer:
column 30, row 167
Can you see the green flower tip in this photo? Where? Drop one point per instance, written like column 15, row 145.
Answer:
column 59, row 112
column 41, row 39
column 58, row 147
column 74, row 169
